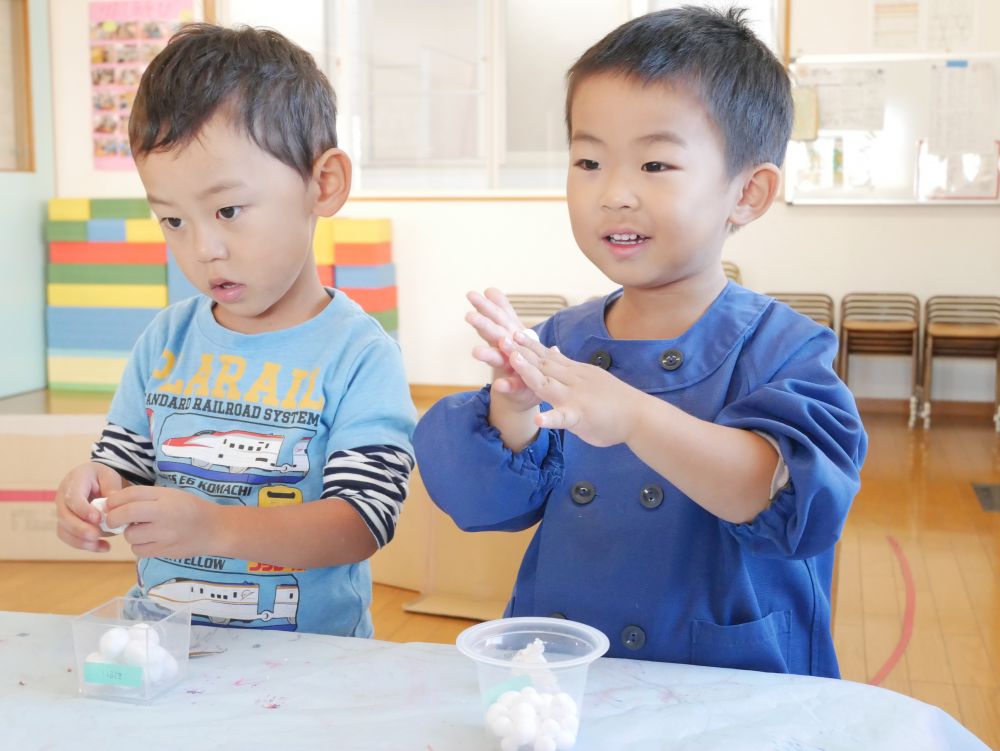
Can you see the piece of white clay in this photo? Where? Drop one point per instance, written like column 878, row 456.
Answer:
column 143, row 633
column 113, row 643
column 101, row 504
column 530, row 333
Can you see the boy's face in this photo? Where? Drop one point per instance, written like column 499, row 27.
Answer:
column 239, row 223
column 648, row 191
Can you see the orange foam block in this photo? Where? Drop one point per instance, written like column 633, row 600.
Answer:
column 362, row 254
column 325, row 275
column 83, row 252
column 373, row 300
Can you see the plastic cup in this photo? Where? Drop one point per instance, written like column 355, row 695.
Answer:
column 131, row 649
column 532, row 678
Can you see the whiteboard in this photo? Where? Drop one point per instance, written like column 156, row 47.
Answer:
column 896, row 129
column 896, row 102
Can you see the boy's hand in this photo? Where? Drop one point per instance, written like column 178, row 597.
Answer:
column 494, row 320
column 77, row 521
column 163, row 521
column 586, row 400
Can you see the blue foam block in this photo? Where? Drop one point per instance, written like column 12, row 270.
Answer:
column 365, row 277
column 89, row 329
column 106, row 230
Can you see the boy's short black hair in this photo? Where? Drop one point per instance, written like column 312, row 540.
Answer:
column 743, row 86
column 270, row 88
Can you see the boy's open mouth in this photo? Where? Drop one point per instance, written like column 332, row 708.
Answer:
column 625, row 238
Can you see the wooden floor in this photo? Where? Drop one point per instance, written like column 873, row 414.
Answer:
column 915, row 519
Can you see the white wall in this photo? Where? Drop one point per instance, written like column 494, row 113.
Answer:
column 445, row 248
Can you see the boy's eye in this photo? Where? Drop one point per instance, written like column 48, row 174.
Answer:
column 655, row 167
column 173, row 222
column 229, row 212
column 587, row 164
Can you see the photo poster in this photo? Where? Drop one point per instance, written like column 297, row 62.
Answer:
column 124, row 36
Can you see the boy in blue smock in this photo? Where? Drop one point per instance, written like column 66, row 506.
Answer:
column 684, row 445
column 259, row 444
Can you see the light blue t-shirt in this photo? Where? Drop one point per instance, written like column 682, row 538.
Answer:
column 251, row 420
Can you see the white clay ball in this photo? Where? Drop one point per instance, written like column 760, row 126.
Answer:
column 570, row 724
column 550, row 727
column 144, row 634
column 565, row 702
column 113, row 643
column 525, row 729
column 94, row 657
column 155, row 671
column 496, row 709
column 501, row 726
column 135, row 654
column 101, row 504
column 170, row 667
column 545, row 743
column 509, row 744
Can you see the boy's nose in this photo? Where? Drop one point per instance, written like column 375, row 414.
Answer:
column 617, row 194
column 208, row 247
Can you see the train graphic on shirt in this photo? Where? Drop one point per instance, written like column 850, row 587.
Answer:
column 230, row 604
column 235, row 455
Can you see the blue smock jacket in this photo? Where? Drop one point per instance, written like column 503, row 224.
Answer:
column 619, row 547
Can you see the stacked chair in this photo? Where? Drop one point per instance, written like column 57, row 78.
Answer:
column 816, row 305
column 533, row 309
column 732, row 271
column 881, row 323
column 960, row 326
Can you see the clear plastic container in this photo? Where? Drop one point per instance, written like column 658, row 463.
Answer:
column 532, row 678
column 131, row 649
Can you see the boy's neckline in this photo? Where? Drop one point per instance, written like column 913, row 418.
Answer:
column 616, row 295
column 221, row 334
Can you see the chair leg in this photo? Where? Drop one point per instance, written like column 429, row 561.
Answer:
column 996, row 394
column 915, row 391
column 925, row 411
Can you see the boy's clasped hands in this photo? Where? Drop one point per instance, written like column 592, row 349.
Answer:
column 585, row 399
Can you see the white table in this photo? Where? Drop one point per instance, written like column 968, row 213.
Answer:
column 284, row 691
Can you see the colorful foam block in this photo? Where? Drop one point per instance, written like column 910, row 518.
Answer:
column 388, row 318
column 115, row 329
column 326, row 275
column 86, row 273
column 106, row 230
column 367, row 277
column 372, row 300
column 63, row 231
column 80, row 371
column 323, row 242
column 361, row 230
column 69, row 209
column 115, row 253
column 108, row 295
column 143, row 231
column 119, row 208
column 363, row 254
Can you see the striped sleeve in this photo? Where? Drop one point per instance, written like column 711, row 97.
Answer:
column 127, row 453
column 373, row 479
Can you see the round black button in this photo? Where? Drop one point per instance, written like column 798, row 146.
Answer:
column 651, row 496
column 671, row 359
column 557, row 614
column 633, row 637
column 601, row 359
column 583, row 493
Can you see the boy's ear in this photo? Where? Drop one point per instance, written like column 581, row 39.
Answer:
column 758, row 193
column 332, row 176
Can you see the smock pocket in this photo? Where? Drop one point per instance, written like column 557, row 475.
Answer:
column 756, row 645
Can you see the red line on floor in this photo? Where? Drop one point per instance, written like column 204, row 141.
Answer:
column 27, row 495
column 908, row 613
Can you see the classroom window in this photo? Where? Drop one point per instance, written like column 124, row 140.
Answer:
column 445, row 95
column 15, row 89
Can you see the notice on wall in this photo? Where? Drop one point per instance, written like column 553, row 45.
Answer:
column 962, row 100
column 951, row 24
column 124, row 36
column 849, row 98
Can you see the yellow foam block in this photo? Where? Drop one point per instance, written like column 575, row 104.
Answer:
column 108, row 295
column 69, row 209
column 323, row 242
column 143, row 231
column 362, row 230
column 85, row 370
